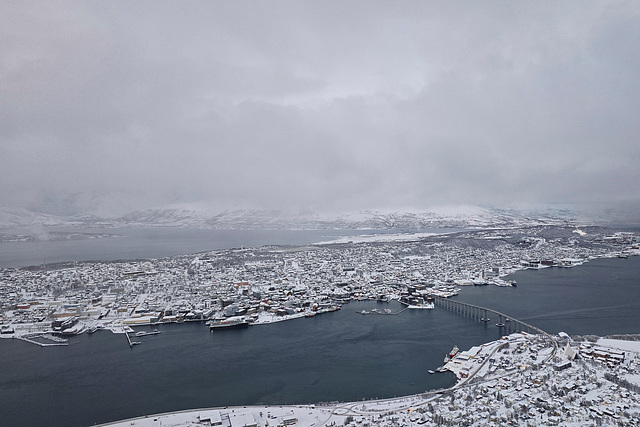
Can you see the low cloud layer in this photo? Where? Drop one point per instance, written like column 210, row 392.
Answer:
column 318, row 105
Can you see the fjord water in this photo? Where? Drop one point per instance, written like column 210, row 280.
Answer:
column 600, row 297
column 111, row 244
column 340, row 356
column 51, row 246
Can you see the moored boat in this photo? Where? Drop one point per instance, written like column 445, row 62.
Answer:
column 231, row 323
column 425, row 306
column 145, row 333
column 454, row 351
column 451, row 354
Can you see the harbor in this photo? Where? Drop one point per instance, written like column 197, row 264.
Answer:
column 271, row 284
column 405, row 346
column 44, row 340
column 334, row 354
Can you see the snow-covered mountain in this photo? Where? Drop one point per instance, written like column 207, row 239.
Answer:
column 207, row 217
column 227, row 219
column 16, row 218
column 450, row 216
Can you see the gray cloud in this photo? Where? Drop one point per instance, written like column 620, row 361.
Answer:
column 322, row 105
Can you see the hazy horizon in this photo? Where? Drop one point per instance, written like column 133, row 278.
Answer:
column 113, row 107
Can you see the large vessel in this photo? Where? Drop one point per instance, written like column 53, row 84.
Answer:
column 230, row 323
column 451, row 354
column 414, row 302
column 425, row 306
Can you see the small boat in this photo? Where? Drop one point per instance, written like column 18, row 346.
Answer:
column 500, row 325
column 364, row 312
column 431, row 371
column 92, row 329
column 145, row 333
column 310, row 314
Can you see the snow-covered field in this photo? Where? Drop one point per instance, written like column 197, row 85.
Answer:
column 633, row 346
column 371, row 238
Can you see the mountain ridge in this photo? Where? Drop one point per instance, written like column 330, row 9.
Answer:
column 185, row 216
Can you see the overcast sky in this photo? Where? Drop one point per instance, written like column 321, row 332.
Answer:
column 323, row 105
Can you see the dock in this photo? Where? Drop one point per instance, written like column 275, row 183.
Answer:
column 126, row 334
column 56, row 341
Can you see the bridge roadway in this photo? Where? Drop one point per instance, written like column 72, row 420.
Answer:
column 506, row 323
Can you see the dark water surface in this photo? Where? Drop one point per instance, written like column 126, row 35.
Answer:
column 600, row 297
column 51, row 245
column 339, row 356
column 134, row 243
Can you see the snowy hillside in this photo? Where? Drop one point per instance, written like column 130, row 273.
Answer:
column 24, row 218
column 206, row 217
column 451, row 216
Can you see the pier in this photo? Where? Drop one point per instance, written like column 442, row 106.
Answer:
column 506, row 324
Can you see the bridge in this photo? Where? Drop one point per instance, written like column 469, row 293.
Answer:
column 506, row 324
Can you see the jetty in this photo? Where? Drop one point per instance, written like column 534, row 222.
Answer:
column 55, row 341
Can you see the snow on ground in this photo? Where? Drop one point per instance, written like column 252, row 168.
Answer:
column 620, row 344
column 370, row 238
column 245, row 416
column 635, row 379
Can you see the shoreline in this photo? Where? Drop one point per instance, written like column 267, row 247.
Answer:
column 513, row 375
column 270, row 318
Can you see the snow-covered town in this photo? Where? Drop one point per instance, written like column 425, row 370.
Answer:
column 274, row 283
column 520, row 379
column 319, row 213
